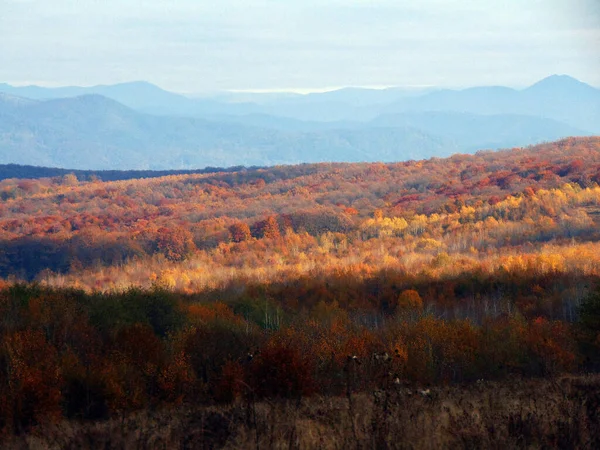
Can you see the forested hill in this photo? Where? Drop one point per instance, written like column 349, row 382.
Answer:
column 8, row 171
column 149, row 293
column 533, row 195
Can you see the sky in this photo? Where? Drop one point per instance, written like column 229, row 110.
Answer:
column 197, row 46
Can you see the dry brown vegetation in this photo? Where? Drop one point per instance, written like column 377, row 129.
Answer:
column 512, row 414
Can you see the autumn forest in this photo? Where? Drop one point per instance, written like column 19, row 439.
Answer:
column 329, row 280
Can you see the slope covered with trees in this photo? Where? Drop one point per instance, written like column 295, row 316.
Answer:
column 290, row 282
column 488, row 201
column 12, row 171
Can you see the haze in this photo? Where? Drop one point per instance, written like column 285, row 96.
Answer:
column 199, row 46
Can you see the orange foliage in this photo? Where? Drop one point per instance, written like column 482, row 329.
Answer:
column 409, row 300
column 240, row 232
column 175, row 243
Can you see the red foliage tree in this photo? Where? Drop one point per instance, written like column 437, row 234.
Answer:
column 175, row 243
column 240, row 232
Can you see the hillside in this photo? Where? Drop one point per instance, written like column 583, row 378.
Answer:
column 45, row 223
column 472, row 132
column 8, row 171
column 376, row 290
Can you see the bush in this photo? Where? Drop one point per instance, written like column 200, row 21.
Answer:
column 409, row 300
column 283, row 369
column 176, row 244
column 589, row 330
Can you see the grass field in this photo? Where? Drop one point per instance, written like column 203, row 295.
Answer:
column 515, row 413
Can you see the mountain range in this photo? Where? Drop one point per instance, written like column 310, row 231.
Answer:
column 141, row 126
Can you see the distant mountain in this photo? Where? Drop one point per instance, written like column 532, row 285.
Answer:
column 562, row 85
column 558, row 97
column 95, row 132
column 472, row 132
column 561, row 98
column 138, row 95
column 147, row 97
column 11, row 100
column 566, row 99
column 156, row 129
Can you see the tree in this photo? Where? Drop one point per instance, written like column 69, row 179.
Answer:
column 70, row 180
column 409, row 301
column 268, row 228
column 30, row 390
column 175, row 243
column 589, row 329
column 283, row 369
column 239, row 232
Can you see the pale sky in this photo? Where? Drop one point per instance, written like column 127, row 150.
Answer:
column 207, row 45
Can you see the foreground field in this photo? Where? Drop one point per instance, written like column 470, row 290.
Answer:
column 68, row 354
column 513, row 414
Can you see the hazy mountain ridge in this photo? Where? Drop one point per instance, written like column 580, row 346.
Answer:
column 472, row 132
column 96, row 132
column 558, row 97
column 109, row 127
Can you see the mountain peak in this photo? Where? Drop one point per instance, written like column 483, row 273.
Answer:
column 559, row 82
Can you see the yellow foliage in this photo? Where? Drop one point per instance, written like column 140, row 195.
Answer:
column 428, row 244
column 385, row 226
column 441, row 259
column 167, row 279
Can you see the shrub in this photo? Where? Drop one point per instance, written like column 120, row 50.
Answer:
column 283, row 369
column 239, row 232
column 409, row 300
column 589, row 330
column 175, row 243
column 30, row 381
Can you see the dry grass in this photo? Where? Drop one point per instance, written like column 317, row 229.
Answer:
column 558, row 413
